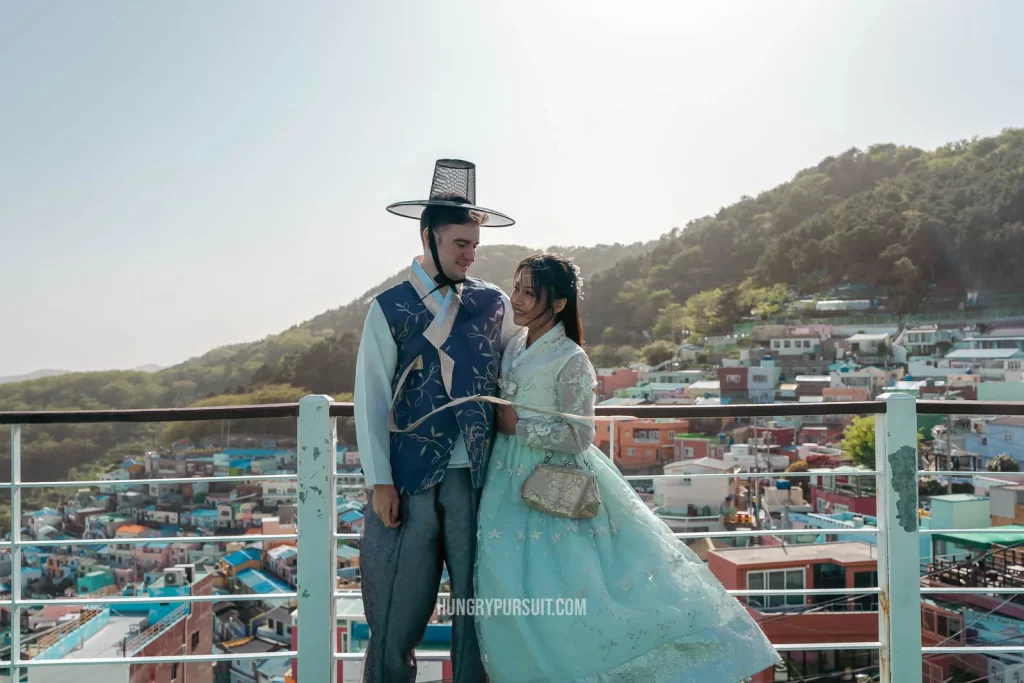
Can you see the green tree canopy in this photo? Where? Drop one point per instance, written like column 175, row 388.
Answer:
column 859, row 441
column 1003, row 463
column 658, row 352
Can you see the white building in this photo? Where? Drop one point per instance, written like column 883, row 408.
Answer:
column 678, row 497
column 279, row 492
column 796, row 344
column 873, row 379
column 868, row 344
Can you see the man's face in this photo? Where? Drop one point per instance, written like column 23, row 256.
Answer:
column 456, row 248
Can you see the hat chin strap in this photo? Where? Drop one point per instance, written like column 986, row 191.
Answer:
column 441, row 279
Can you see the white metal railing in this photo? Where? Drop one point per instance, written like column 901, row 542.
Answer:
column 897, row 533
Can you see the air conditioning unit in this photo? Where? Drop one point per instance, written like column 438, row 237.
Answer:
column 190, row 572
column 175, row 576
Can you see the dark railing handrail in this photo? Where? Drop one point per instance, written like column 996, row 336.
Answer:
column 291, row 410
column 251, row 412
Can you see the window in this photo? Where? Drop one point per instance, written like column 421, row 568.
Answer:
column 685, row 481
column 732, row 379
column 776, row 344
column 760, row 379
column 780, row 579
column 630, row 451
column 789, row 344
column 1007, row 436
column 671, row 435
column 688, row 451
column 174, row 671
column 195, row 641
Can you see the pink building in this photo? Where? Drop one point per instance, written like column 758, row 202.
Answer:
column 611, row 381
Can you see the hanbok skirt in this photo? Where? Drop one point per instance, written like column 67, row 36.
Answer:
column 608, row 599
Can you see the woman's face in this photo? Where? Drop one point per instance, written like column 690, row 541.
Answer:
column 527, row 304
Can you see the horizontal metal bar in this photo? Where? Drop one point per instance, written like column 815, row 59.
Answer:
column 695, row 411
column 240, row 478
column 935, row 590
column 112, row 601
column 808, row 591
column 174, row 659
column 160, row 539
column 257, row 412
column 702, row 475
column 871, row 531
column 745, row 410
column 442, row 656
column 961, row 473
column 989, row 530
column 969, row 650
column 748, row 475
column 785, row 591
column 148, row 600
column 969, row 407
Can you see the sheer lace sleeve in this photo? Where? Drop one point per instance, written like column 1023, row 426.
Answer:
column 575, row 385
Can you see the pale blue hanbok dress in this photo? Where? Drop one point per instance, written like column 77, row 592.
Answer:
column 653, row 611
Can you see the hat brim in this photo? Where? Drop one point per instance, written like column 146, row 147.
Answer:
column 415, row 210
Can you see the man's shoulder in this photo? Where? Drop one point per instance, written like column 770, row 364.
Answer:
column 396, row 291
column 484, row 286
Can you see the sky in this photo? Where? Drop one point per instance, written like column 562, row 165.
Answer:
column 177, row 176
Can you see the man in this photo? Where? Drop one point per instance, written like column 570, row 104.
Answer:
column 433, row 338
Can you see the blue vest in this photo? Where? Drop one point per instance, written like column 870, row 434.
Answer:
column 419, row 459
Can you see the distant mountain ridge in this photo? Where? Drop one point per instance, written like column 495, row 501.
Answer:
column 38, row 374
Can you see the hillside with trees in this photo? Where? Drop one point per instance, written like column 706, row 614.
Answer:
column 918, row 226
column 922, row 227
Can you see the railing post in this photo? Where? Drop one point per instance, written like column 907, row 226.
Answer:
column 15, row 552
column 899, row 561
column 316, row 620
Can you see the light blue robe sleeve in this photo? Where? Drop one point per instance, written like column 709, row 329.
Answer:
column 575, row 385
column 376, row 364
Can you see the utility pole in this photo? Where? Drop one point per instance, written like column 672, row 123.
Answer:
column 949, row 451
column 611, row 440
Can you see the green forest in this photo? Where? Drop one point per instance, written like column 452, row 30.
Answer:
column 922, row 227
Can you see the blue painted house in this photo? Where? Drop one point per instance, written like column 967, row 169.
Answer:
column 1002, row 435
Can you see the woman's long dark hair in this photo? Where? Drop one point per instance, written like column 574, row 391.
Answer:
column 554, row 277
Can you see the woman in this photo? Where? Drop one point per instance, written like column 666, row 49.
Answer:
column 653, row 612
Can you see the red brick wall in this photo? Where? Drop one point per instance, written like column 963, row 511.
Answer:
column 740, row 375
column 701, row 448
column 177, row 640
column 860, row 506
column 783, row 436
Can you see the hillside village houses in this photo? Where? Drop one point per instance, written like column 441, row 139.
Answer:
column 813, row 363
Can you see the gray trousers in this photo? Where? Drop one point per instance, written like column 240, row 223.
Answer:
column 401, row 574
